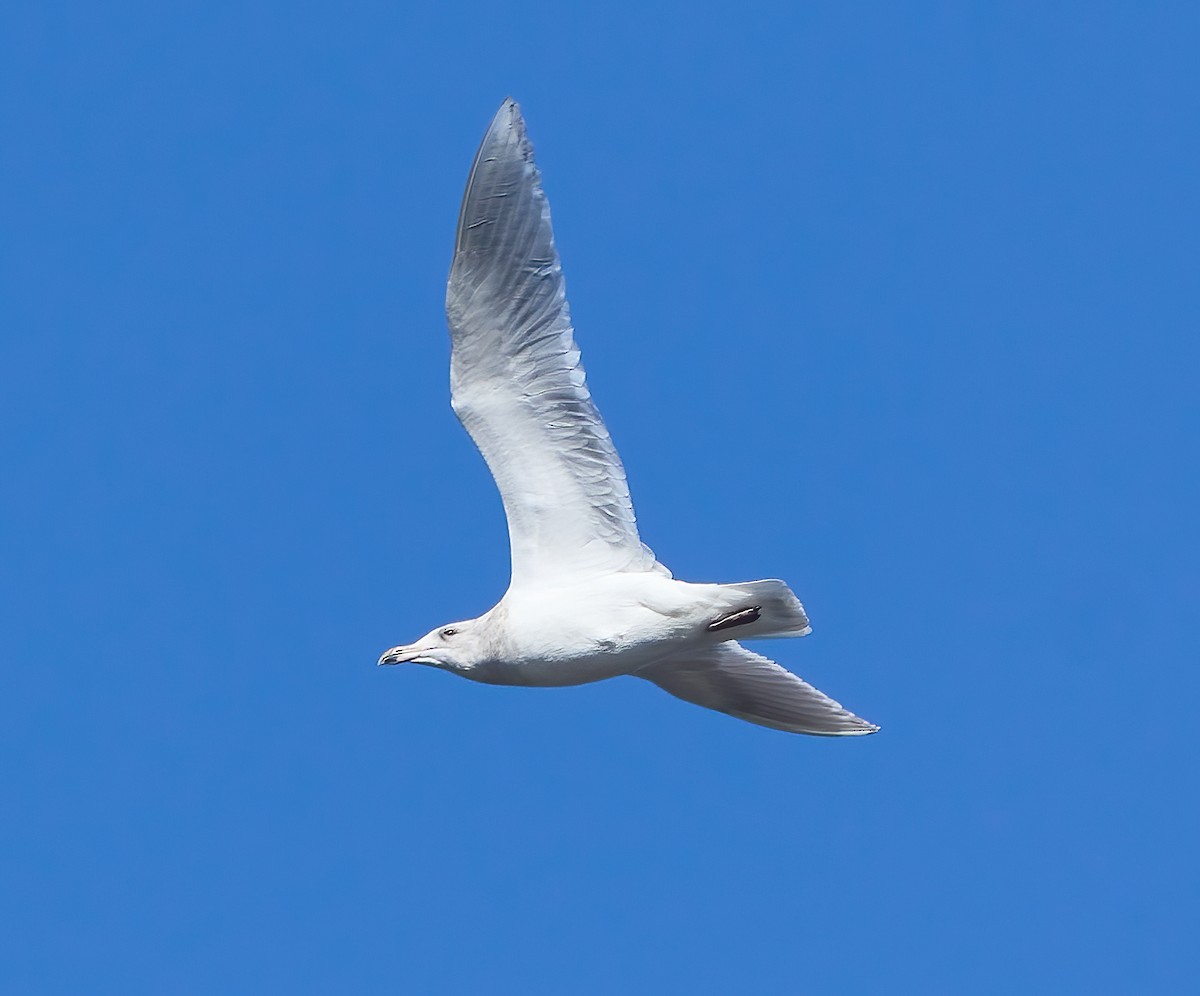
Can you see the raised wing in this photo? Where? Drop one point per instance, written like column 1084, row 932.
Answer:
column 516, row 381
column 731, row 679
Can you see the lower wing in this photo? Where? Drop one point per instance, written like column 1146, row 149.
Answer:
column 731, row 679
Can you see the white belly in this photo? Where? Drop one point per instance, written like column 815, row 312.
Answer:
column 599, row 629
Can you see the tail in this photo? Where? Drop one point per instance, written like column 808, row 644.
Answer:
column 779, row 610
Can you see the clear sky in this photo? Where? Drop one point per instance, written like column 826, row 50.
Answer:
column 898, row 302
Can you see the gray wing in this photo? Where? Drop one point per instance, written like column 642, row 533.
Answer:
column 731, row 679
column 516, row 381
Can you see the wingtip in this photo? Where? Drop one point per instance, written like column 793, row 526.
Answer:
column 857, row 731
column 504, row 141
column 851, row 726
column 506, row 131
column 508, row 113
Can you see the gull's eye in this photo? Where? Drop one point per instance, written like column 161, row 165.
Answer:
column 448, row 632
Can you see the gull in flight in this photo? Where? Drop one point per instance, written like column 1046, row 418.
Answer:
column 587, row 599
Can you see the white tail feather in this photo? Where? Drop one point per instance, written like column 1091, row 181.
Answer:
column 781, row 612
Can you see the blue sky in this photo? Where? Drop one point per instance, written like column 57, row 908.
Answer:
column 897, row 302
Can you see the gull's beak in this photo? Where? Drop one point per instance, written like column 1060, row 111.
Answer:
column 403, row 655
column 398, row 655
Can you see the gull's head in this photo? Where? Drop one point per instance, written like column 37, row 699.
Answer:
column 457, row 647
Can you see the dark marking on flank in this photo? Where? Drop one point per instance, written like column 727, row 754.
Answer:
column 740, row 618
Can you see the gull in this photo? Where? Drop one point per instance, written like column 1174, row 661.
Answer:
column 587, row 599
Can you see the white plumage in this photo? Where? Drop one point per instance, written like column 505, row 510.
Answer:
column 587, row 600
